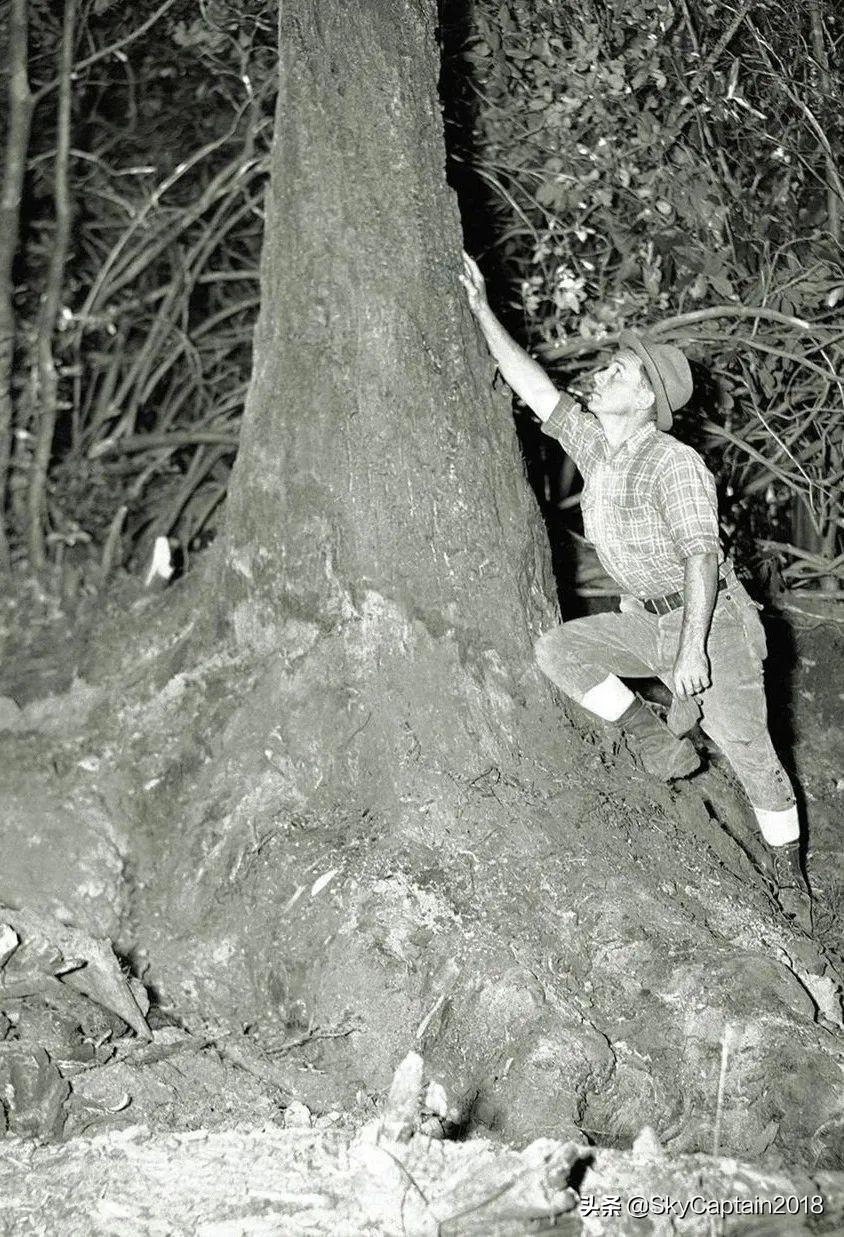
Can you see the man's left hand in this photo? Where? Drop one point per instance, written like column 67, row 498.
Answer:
column 691, row 671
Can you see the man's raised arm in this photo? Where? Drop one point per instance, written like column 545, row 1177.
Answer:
column 519, row 371
column 577, row 431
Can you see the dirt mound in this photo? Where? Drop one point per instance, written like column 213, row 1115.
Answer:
column 577, row 950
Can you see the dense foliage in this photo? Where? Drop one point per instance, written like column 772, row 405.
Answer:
column 661, row 163
column 169, row 135
column 674, row 164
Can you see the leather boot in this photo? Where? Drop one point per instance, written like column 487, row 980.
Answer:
column 683, row 716
column 791, row 888
column 658, row 750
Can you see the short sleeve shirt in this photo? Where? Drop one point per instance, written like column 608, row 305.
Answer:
column 647, row 506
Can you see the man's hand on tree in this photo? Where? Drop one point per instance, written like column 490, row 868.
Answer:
column 691, row 671
column 474, row 283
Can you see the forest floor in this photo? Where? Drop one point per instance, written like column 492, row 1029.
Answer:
column 194, row 1128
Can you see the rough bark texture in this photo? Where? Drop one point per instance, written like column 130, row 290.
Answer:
column 372, row 825
column 384, row 554
column 402, row 486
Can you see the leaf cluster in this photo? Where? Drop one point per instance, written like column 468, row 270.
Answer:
column 646, row 160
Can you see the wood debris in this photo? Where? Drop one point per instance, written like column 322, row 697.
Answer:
column 83, row 962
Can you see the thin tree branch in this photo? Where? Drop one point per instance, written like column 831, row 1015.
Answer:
column 833, row 200
column 17, row 143
column 107, row 51
column 47, row 375
column 145, row 442
column 578, row 347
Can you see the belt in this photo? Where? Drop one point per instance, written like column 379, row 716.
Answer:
column 673, row 601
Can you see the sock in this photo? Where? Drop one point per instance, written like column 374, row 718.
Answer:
column 609, row 699
column 780, row 827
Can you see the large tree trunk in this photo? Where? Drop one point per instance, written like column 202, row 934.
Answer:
column 379, row 523
column 378, row 471
column 391, row 834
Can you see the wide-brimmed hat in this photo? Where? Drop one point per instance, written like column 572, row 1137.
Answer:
column 668, row 372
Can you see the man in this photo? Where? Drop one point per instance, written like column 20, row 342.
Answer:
column 649, row 508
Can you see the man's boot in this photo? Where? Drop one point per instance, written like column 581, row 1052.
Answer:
column 790, row 885
column 683, row 715
column 659, row 751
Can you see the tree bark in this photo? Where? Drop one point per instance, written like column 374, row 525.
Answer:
column 380, row 526
column 17, row 144
column 384, row 563
column 371, row 397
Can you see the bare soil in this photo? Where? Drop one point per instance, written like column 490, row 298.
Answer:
column 631, row 985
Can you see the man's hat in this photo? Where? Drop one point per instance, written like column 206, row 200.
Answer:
column 668, row 372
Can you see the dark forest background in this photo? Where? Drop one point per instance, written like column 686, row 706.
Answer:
column 669, row 164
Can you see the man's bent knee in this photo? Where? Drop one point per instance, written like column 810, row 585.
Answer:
column 566, row 654
column 546, row 647
column 551, row 656
column 554, row 657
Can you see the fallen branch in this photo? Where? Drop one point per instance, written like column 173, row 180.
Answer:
column 310, row 1037
column 86, row 964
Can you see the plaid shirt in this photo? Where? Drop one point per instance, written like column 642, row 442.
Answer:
column 646, row 507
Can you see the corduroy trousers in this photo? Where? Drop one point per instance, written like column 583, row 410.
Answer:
column 633, row 643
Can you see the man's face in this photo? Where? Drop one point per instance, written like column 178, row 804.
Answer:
column 621, row 387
